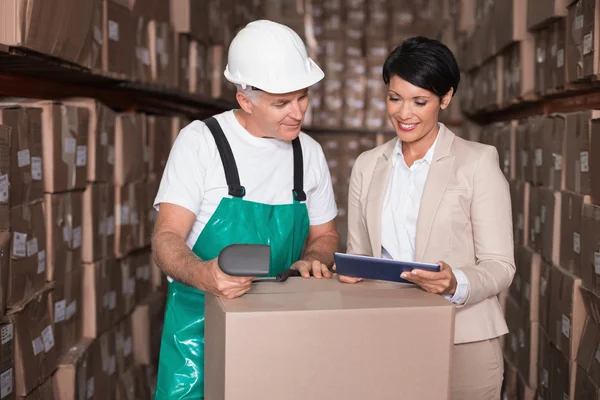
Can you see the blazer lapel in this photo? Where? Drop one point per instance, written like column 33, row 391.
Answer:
column 435, row 186
column 376, row 195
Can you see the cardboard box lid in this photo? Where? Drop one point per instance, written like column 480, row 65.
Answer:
column 298, row 294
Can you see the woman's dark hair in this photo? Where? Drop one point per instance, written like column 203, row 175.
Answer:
column 425, row 63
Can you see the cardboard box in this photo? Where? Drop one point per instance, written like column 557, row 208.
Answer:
column 580, row 35
column 511, row 22
column 5, row 258
column 578, row 153
column 98, row 222
column 570, row 231
column 139, row 264
column 553, row 171
column 528, row 352
column 514, row 320
column 7, row 361
column 126, row 287
column 119, row 28
column 142, row 65
column 100, row 291
column 544, row 383
column 199, row 68
column 124, row 345
column 35, row 349
column 101, row 143
column 182, row 50
column 591, row 38
column 189, row 16
column 542, row 12
column 129, row 202
column 593, row 175
column 567, row 312
column 544, row 295
column 66, row 302
column 542, row 60
column 94, row 58
column 585, row 388
column 126, row 387
column 163, row 58
column 527, row 283
column 550, row 218
column 535, row 221
column 588, row 356
column 146, row 377
column 43, row 392
column 27, row 273
column 520, row 205
column 147, row 321
column 511, row 377
column 105, row 360
column 129, row 149
column 292, row 309
column 160, row 282
column 519, row 70
column 64, row 233
column 64, row 143
column 523, row 149
column 75, row 377
column 538, row 138
column 5, row 150
column 148, row 214
column 563, row 376
column 25, row 177
column 216, row 64
column 590, row 247
column 158, row 140
column 354, row 92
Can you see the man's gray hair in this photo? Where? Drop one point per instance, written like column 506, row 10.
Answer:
column 250, row 93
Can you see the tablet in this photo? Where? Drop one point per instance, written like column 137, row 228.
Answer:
column 377, row 268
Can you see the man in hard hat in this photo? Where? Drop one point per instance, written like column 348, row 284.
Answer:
column 244, row 176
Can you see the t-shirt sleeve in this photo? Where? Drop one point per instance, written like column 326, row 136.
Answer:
column 183, row 181
column 321, row 201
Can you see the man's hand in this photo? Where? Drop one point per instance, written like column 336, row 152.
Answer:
column 315, row 268
column 219, row 283
column 346, row 279
column 443, row 282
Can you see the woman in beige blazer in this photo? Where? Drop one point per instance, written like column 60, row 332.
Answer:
column 430, row 196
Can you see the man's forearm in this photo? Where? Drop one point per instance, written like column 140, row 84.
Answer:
column 175, row 259
column 322, row 248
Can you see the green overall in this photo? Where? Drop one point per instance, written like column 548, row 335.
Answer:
column 235, row 221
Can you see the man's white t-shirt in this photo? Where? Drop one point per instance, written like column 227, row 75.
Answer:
column 194, row 177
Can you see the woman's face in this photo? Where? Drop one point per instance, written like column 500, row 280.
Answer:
column 413, row 111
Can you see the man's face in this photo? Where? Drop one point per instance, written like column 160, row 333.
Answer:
column 280, row 116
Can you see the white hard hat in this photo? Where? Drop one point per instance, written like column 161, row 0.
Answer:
column 270, row 57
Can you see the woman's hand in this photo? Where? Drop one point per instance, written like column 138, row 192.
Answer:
column 443, row 282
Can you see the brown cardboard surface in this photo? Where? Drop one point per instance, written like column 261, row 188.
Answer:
column 544, row 366
column 100, row 297
column 290, row 310
column 5, row 149
column 163, row 59
column 574, row 43
column 199, row 67
column 105, row 360
column 159, row 278
column 7, row 361
column 554, row 152
column 158, row 140
column 124, row 345
column 541, row 59
column 5, row 257
column 182, row 47
column 65, row 134
column 520, row 205
column 550, row 219
column 139, row 262
column 558, row 53
column 94, row 57
column 511, row 377
column 118, row 39
column 126, row 288
column 528, row 336
column 585, row 388
column 129, row 149
column 147, row 320
column 148, row 213
column 35, row 349
column 580, row 176
column 66, row 301
column 523, row 149
column 544, row 295
column 25, row 177
column 594, row 161
column 101, row 143
column 64, row 233
column 27, row 273
column 535, row 219
column 142, row 65
column 563, row 376
column 567, row 312
column 590, row 247
column 129, row 200
column 189, row 17
column 541, row 12
column 75, row 376
column 570, row 231
column 588, row 356
column 514, row 320
column 98, row 222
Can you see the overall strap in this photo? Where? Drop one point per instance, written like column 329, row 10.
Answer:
column 299, row 194
column 231, row 171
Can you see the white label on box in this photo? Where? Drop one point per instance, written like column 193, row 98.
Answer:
column 67, row 234
column 588, row 43
column 90, row 388
column 104, row 139
column 4, row 188
column 597, row 262
column 146, row 56
column 584, row 161
column 560, row 58
column 520, row 222
column 545, row 380
column 112, row 367
column 36, row 168
column 77, row 237
column 134, row 218
column 60, row 308
column 124, row 215
column 19, row 244
column 32, row 247
column 513, row 342
column 6, row 383
column 48, row 338
column 38, row 346
column 41, row 262
column 543, row 214
column 81, row 160
column 112, row 300
column 543, row 286
column 566, row 326
column 23, row 158
column 578, row 22
column 576, row 243
column 110, row 225
column 7, row 333
column 127, row 346
column 160, row 45
column 98, row 35
column 527, row 292
column 557, row 162
column 538, row 225
column 70, row 146
column 71, row 309
column 521, row 337
column 538, row 157
column 113, row 31
column 111, row 155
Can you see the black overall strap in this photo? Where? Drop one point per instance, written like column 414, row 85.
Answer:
column 231, row 171
column 299, row 194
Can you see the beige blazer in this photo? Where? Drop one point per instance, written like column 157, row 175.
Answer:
column 465, row 220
